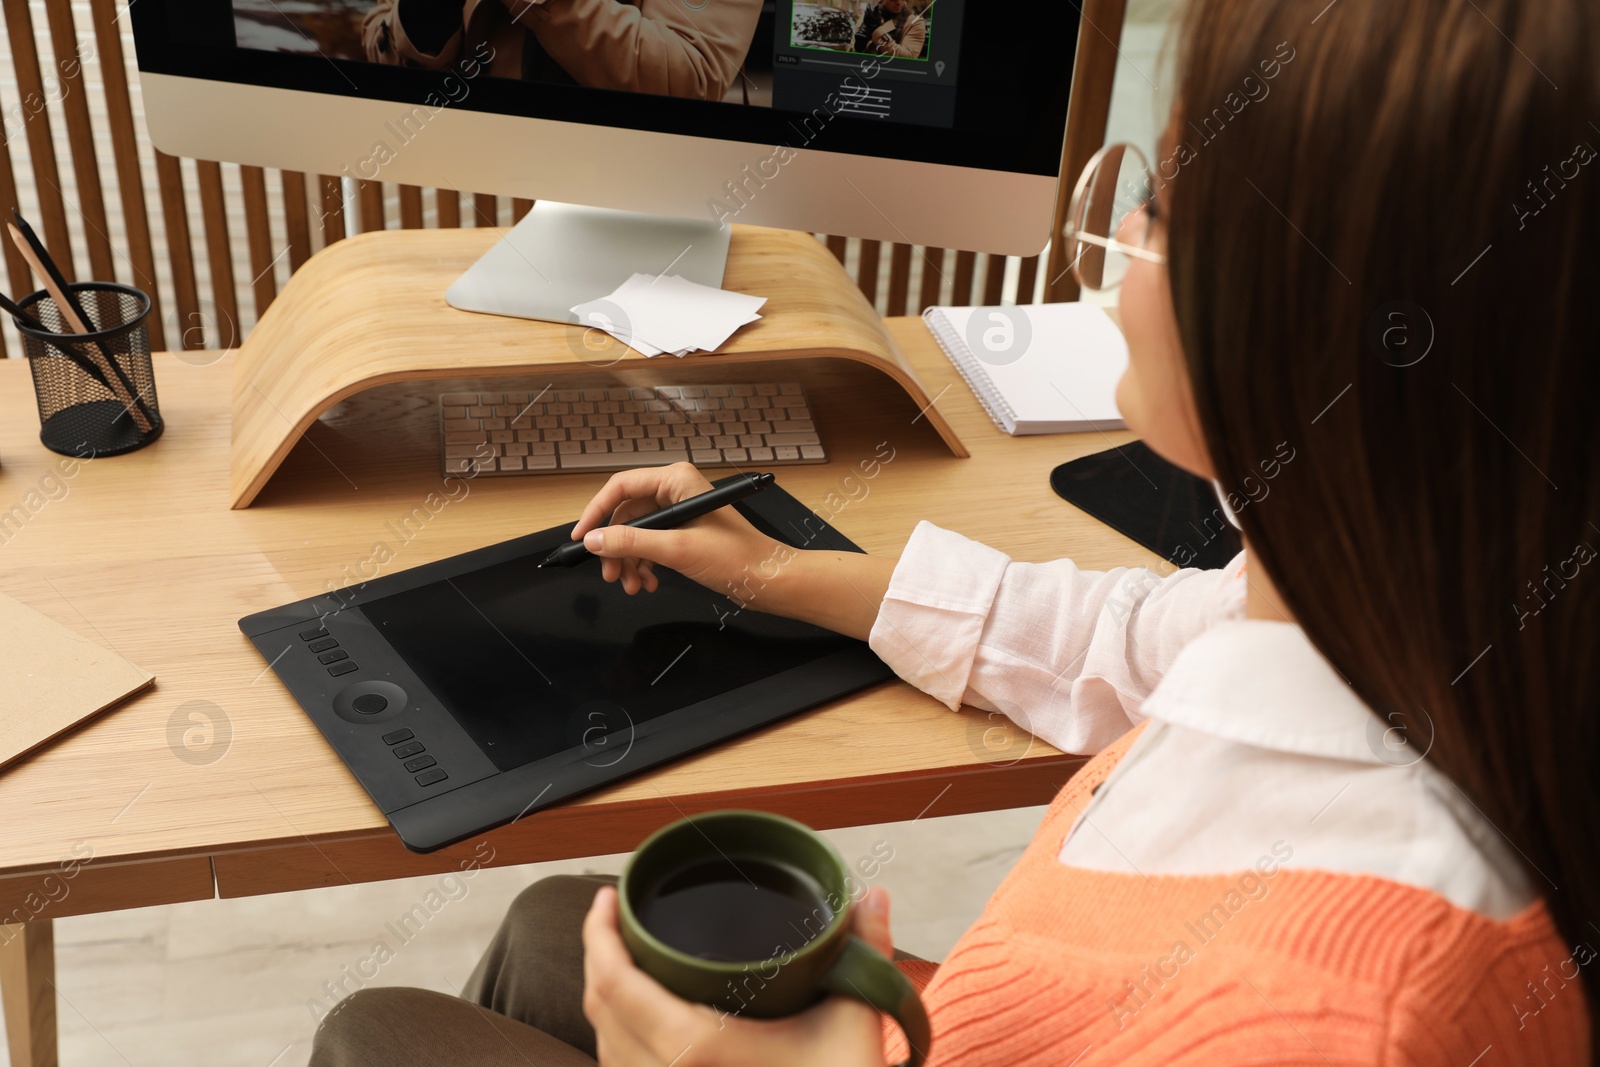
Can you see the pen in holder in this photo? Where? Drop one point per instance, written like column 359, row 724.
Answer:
column 96, row 390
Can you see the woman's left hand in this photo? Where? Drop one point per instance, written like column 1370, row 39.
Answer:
column 637, row 1023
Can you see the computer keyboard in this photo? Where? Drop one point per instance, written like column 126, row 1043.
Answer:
column 613, row 429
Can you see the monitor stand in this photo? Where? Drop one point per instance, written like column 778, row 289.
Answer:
column 560, row 255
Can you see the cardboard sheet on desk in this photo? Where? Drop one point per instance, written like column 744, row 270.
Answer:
column 53, row 679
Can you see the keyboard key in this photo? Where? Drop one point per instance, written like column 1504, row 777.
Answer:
column 783, row 452
column 322, row 644
column 479, row 411
column 699, row 442
column 313, row 633
column 736, row 455
column 622, row 446
column 595, row 446
column 421, row 763
column 540, row 463
column 567, row 396
column 650, row 444
column 726, row 441
column 674, row 444
column 744, row 390
column 590, row 395
column 761, row 455
column 511, row 463
column 811, row 452
column 775, row 439
column 717, row 390
column 789, row 388
column 705, row 456
column 568, row 448
column 429, row 777
column 342, row 668
column 617, row 394
column 582, row 433
column 520, row 448
column 409, row 749
column 542, row 448
column 750, row 440
column 397, row 736
column 605, row 461
column 333, row 657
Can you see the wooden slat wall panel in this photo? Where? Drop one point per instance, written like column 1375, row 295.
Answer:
column 932, row 279
column 114, row 75
column 258, row 230
column 91, row 201
column 994, row 279
column 18, row 277
column 41, row 148
column 219, row 253
column 180, row 253
column 867, row 271
column 410, row 207
column 447, row 203
column 332, row 198
column 485, row 210
column 296, row 218
column 370, row 197
column 899, row 279
column 961, row 287
column 1027, row 275
column 838, row 246
column 520, row 209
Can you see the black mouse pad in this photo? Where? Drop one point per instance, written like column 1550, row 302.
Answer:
column 1142, row 496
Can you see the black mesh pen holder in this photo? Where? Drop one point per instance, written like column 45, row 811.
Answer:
column 96, row 391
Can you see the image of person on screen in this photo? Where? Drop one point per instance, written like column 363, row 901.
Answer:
column 665, row 47
column 891, row 28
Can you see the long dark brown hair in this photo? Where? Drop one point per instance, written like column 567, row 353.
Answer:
column 1390, row 258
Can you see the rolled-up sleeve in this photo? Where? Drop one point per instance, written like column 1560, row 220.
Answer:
column 1065, row 653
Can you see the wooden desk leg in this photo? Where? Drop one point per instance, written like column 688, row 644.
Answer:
column 27, row 985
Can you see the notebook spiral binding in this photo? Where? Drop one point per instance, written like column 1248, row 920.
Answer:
column 966, row 365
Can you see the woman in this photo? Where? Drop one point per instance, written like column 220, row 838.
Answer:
column 1260, row 866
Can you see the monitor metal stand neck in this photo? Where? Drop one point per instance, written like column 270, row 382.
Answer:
column 560, row 255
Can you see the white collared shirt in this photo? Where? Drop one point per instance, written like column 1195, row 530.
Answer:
column 1255, row 744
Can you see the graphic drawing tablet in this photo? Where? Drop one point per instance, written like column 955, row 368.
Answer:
column 469, row 692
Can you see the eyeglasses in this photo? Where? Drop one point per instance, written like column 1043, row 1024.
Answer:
column 1108, row 222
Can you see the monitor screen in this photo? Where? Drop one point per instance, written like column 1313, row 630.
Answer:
column 937, row 81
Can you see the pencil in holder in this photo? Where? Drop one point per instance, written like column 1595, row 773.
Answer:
column 97, row 390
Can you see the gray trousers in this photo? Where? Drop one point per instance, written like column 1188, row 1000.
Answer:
column 522, row 1007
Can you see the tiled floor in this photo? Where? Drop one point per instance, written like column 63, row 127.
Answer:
column 233, row 983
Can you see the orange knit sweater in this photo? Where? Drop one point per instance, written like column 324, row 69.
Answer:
column 1072, row 966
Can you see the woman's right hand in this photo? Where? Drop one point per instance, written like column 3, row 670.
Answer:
column 718, row 550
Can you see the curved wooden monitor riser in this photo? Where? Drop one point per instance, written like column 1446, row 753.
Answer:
column 370, row 311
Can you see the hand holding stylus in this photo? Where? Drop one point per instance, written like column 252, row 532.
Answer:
column 840, row 591
column 713, row 551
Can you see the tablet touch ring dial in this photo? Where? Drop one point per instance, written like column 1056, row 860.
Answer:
column 369, row 702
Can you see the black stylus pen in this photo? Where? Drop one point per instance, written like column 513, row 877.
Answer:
column 684, row 511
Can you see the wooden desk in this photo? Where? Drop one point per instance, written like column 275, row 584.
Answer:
column 142, row 553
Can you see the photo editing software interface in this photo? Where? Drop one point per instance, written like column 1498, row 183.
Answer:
column 884, row 61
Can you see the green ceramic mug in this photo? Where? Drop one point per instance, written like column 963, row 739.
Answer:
column 750, row 913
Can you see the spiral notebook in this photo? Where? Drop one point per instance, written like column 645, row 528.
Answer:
column 1037, row 368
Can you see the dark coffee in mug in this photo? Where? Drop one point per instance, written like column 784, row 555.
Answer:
column 735, row 909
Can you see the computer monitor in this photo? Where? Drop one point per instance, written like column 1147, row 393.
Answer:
column 931, row 122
